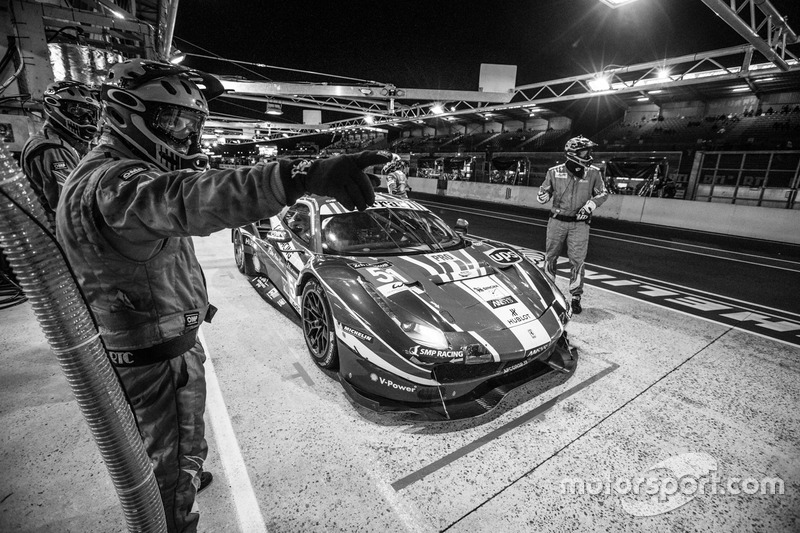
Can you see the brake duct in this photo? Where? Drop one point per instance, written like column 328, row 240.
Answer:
column 45, row 277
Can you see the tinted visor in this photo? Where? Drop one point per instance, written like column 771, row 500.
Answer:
column 83, row 114
column 179, row 123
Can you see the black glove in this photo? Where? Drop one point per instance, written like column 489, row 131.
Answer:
column 340, row 177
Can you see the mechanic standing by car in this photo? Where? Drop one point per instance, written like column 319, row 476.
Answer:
column 396, row 172
column 125, row 220
column 49, row 155
column 577, row 190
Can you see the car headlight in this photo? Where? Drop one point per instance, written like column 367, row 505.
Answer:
column 417, row 329
column 425, row 334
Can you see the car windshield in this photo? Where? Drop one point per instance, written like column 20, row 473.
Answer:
column 386, row 232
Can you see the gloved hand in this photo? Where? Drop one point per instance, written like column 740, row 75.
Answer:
column 340, row 177
column 586, row 211
column 543, row 196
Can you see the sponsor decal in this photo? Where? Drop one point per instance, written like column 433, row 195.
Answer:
column 120, row 358
column 504, row 256
column 59, row 165
column 517, row 318
column 128, row 174
column 432, row 353
column 443, row 257
column 391, row 288
column 502, row 302
column 191, row 319
column 391, row 384
column 515, row 366
column 384, row 264
column 535, row 351
column 356, row 333
column 390, row 203
column 493, row 288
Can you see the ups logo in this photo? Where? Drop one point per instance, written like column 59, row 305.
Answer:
column 504, row 256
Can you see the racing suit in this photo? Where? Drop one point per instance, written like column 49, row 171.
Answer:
column 570, row 192
column 126, row 227
column 46, row 160
column 397, row 184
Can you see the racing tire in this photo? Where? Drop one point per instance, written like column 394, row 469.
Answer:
column 244, row 261
column 318, row 328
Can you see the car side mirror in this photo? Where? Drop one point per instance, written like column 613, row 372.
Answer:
column 462, row 227
column 278, row 235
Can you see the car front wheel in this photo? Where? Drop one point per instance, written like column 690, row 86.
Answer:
column 318, row 328
column 244, row 261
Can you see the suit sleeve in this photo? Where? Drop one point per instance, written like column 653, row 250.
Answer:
column 50, row 168
column 141, row 203
column 547, row 184
column 599, row 192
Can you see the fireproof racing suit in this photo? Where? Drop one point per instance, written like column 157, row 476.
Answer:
column 397, row 184
column 47, row 159
column 570, row 193
column 125, row 226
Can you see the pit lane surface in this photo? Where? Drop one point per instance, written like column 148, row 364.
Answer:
column 655, row 392
column 655, row 389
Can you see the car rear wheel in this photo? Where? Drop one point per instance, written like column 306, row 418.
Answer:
column 244, row 261
column 318, row 328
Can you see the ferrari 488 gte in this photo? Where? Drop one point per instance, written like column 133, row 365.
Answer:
column 415, row 316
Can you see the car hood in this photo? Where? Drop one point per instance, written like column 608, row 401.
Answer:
column 484, row 288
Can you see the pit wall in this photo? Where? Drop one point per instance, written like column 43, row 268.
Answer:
column 772, row 224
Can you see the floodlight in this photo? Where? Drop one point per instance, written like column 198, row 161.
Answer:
column 616, row 3
column 600, row 83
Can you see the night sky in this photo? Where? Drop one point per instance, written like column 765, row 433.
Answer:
column 441, row 44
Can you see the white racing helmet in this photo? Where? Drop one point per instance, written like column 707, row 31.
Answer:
column 158, row 110
column 393, row 165
column 72, row 108
column 579, row 150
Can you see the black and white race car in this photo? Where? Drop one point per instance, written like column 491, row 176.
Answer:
column 415, row 316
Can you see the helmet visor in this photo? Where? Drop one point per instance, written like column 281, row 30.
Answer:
column 179, row 123
column 82, row 114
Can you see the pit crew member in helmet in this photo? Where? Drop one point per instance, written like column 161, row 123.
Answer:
column 126, row 218
column 577, row 189
column 396, row 172
column 71, row 112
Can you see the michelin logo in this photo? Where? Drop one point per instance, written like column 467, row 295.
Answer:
column 357, row 334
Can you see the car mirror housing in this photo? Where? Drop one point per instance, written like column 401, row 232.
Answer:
column 462, row 227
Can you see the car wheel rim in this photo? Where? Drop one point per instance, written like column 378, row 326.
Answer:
column 315, row 325
column 238, row 252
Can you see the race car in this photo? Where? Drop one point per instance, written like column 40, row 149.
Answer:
column 415, row 317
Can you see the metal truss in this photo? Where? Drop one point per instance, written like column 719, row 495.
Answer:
column 760, row 17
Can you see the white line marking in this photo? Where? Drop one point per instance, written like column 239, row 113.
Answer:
column 723, row 324
column 247, row 510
